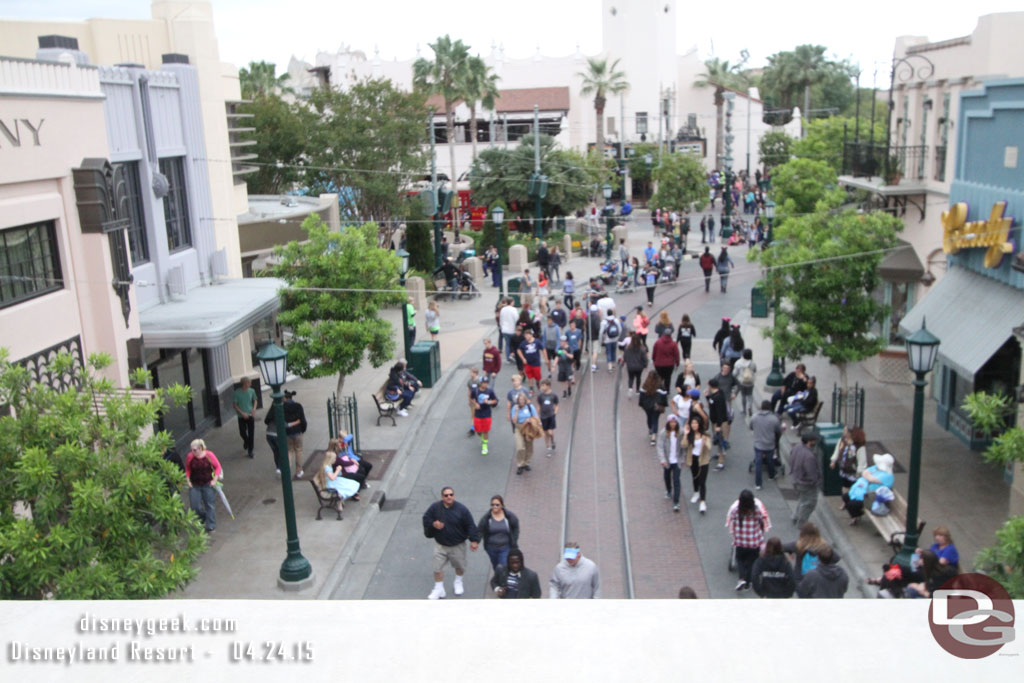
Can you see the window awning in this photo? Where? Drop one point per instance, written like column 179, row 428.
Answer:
column 901, row 265
column 210, row 316
column 972, row 315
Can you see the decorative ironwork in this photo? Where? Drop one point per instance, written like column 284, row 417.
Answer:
column 343, row 415
column 39, row 364
column 904, row 69
column 848, row 409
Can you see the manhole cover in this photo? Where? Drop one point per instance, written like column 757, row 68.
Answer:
column 269, row 501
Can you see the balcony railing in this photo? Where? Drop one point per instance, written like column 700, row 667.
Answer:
column 866, row 160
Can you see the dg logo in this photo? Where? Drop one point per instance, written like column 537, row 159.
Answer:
column 971, row 616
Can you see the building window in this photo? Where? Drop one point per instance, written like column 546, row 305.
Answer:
column 641, row 123
column 137, row 241
column 179, row 232
column 899, row 297
column 29, row 262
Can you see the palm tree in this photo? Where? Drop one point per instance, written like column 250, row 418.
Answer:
column 445, row 77
column 600, row 80
column 480, row 84
column 260, row 79
column 809, row 66
column 719, row 75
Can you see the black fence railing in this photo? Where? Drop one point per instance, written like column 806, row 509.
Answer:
column 868, row 160
column 848, row 406
column 343, row 415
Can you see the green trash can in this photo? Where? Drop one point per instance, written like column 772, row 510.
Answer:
column 425, row 362
column 829, row 435
column 514, row 288
column 758, row 303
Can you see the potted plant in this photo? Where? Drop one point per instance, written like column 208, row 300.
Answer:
column 893, row 170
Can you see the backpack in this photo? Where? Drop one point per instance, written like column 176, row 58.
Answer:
column 747, row 376
column 809, row 562
column 707, row 261
column 612, row 332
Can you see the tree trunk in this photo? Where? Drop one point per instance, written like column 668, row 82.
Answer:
column 340, row 386
column 804, row 114
column 472, row 128
column 719, row 127
column 599, row 131
column 450, row 124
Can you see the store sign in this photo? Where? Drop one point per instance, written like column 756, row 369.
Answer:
column 992, row 234
column 18, row 132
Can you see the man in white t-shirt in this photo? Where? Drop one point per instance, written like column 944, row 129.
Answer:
column 508, row 316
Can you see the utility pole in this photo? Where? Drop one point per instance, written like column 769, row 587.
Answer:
column 538, row 228
column 622, row 146
column 748, row 134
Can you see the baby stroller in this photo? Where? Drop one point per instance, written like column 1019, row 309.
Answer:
column 668, row 270
column 609, row 271
column 467, row 287
column 624, row 284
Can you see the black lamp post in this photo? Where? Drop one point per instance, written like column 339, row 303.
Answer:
column 404, row 255
column 608, row 218
column 498, row 217
column 922, row 350
column 775, row 377
column 296, row 571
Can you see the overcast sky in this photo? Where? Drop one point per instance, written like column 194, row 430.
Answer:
column 274, row 30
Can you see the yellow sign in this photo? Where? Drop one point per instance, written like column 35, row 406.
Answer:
column 994, row 233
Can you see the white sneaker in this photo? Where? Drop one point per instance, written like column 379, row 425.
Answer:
column 279, row 473
column 593, row 368
column 437, row 593
column 459, row 590
column 694, row 498
column 403, row 413
column 630, row 392
column 703, row 507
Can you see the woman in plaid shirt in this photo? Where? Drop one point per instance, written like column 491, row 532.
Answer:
column 748, row 523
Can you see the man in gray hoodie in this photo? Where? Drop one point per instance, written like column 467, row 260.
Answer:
column 827, row 580
column 575, row 576
column 767, row 427
column 806, row 475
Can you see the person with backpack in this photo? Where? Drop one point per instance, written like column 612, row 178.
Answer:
column 636, row 360
column 594, row 323
column 746, row 371
column 707, row 264
column 711, row 227
column 552, row 340
column 665, row 357
column 611, row 330
column 653, row 399
column 724, row 265
column 772, row 574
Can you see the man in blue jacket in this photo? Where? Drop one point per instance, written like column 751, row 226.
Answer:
column 450, row 524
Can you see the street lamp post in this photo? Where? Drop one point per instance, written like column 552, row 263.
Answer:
column 498, row 217
column 774, row 378
column 922, row 350
column 609, row 220
column 296, row 572
column 404, row 255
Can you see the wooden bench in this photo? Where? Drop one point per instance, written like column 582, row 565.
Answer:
column 327, row 498
column 385, row 408
column 808, row 419
column 893, row 526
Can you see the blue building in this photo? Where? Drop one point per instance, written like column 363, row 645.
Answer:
column 977, row 309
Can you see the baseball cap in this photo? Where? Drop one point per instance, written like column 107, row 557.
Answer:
column 571, row 553
column 693, row 393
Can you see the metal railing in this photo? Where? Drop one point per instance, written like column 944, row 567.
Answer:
column 867, row 160
column 343, row 415
column 848, row 409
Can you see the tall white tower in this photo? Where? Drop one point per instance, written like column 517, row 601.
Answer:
column 642, row 34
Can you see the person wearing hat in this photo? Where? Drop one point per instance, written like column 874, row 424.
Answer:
column 515, row 580
column 575, row 577
column 723, row 332
column 806, row 475
column 873, row 478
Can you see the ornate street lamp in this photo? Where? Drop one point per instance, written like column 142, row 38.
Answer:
column 922, row 350
column 498, row 217
column 404, row 255
column 296, row 572
column 609, row 220
column 775, row 377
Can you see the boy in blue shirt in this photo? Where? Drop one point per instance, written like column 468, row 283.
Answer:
column 483, row 402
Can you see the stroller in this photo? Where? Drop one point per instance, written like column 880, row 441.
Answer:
column 624, row 284
column 609, row 271
column 467, row 287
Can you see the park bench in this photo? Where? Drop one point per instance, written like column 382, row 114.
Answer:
column 327, row 498
column 893, row 526
column 385, row 408
column 808, row 418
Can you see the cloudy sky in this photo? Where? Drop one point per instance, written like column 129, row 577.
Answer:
column 274, row 30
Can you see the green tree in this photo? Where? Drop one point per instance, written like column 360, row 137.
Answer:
column 503, row 175
column 365, row 142
column 480, row 84
column 280, row 147
column 824, row 268
column 418, row 236
column 601, row 80
column 260, row 78
column 721, row 76
column 446, row 77
column 805, row 71
column 336, row 285
column 682, row 182
column 775, row 148
column 1003, row 561
column 642, row 164
column 801, row 186
column 91, row 509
